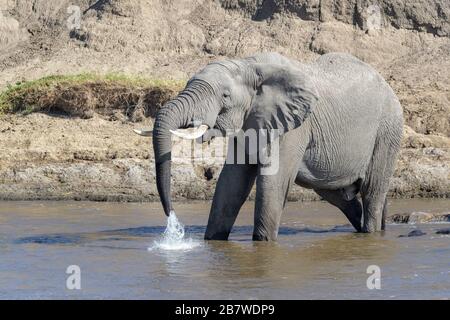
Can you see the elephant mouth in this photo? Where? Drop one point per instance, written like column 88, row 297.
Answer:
column 213, row 133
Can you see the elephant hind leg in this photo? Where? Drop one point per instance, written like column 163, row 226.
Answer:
column 374, row 208
column 375, row 186
column 383, row 217
column 351, row 208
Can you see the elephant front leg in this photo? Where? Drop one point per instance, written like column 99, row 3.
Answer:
column 272, row 186
column 234, row 185
column 271, row 196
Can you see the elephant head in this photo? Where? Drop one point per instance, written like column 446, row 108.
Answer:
column 227, row 96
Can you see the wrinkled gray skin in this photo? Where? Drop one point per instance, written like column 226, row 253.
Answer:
column 341, row 124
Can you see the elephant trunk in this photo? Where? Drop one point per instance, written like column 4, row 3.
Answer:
column 177, row 113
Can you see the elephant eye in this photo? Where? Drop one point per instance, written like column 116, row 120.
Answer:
column 226, row 94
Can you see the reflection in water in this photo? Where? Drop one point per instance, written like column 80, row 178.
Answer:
column 304, row 262
column 315, row 256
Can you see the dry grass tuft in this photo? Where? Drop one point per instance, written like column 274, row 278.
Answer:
column 84, row 95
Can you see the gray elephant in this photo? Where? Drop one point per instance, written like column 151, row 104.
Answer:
column 341, row 127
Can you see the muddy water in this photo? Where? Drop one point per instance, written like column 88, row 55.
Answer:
column 316, row 256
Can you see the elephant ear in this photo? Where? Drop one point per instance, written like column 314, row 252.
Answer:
column 285, row 98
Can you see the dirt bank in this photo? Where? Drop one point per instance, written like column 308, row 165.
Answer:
column 59, row 154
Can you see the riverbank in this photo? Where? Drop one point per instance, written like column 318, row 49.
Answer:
column 71, row 138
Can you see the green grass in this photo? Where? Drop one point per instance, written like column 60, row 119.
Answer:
column 21, row 96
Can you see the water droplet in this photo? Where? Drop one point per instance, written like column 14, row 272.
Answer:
column 173, row 237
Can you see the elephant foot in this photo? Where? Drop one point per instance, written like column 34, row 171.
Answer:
column 370, row 228
column 263, row 237
column 357, row 225
column 217, row 236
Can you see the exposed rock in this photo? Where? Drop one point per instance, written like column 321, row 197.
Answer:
column 11, row 33
column 418, row 217
column 443, row 231
column 414, row 233
column 424, row 15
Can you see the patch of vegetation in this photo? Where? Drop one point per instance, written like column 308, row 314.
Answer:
column 84, row 94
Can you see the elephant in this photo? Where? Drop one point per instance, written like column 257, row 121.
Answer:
column 340, row 128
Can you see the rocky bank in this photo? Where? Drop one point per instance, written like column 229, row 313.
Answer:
column 48, row 155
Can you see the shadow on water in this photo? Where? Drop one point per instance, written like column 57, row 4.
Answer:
column 153, row 231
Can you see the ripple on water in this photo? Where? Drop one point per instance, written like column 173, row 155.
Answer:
column 173, row 237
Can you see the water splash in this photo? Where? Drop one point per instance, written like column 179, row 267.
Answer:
column 173, row 237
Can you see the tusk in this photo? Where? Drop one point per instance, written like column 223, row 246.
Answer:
column 143, row 132
column 190, row 133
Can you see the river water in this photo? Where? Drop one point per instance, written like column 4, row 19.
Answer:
column 317, row 256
